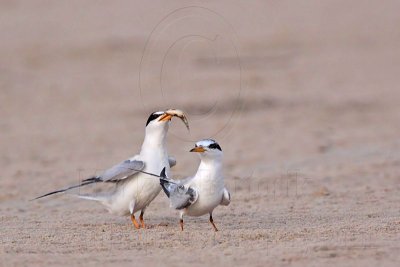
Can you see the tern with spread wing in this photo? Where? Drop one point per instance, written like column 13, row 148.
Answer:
column 202, row 193
column 134, row 187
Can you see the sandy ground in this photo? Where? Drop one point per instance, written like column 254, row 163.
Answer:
column 303, row 98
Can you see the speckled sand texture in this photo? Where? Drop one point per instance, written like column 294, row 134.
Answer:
column 311, row 140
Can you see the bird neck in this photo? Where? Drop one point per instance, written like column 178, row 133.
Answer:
column 155, row 139
column 211, row 166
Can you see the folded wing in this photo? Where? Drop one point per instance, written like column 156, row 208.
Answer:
column 180, row 196
column 120, row 171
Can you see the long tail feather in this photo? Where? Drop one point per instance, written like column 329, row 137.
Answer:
column 162, row 175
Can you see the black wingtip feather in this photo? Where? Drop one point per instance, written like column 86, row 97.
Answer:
column 164, row 182
column 83, row 183
column 49, row 194
column 162, row 174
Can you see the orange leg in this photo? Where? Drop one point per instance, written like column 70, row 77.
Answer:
column 135, row 223
column 142, row 224
column 212, row 222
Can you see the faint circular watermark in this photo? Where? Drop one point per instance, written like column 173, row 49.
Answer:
column 191, row 62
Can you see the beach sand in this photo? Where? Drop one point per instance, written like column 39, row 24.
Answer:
column 302, row 97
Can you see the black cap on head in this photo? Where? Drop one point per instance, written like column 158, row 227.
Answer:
column 154, row 116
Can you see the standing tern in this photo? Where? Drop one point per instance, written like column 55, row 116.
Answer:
column 202, row 193
column 134, row 187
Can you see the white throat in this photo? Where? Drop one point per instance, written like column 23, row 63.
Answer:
column 210, row 167
column 154, row 149
column 155, row 137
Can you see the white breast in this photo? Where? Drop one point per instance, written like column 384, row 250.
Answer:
column 209, row 185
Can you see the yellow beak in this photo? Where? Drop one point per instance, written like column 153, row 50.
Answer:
column 197, row 149
column 165, row 117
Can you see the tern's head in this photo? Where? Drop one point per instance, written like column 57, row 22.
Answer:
column 161, row 119
column 207, row 149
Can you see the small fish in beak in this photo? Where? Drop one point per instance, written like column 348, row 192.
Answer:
column 175, row 113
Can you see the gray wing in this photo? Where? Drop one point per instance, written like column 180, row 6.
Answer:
column 114, row 174
column 120, row 171
column 171, row 161
column 180, row 196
